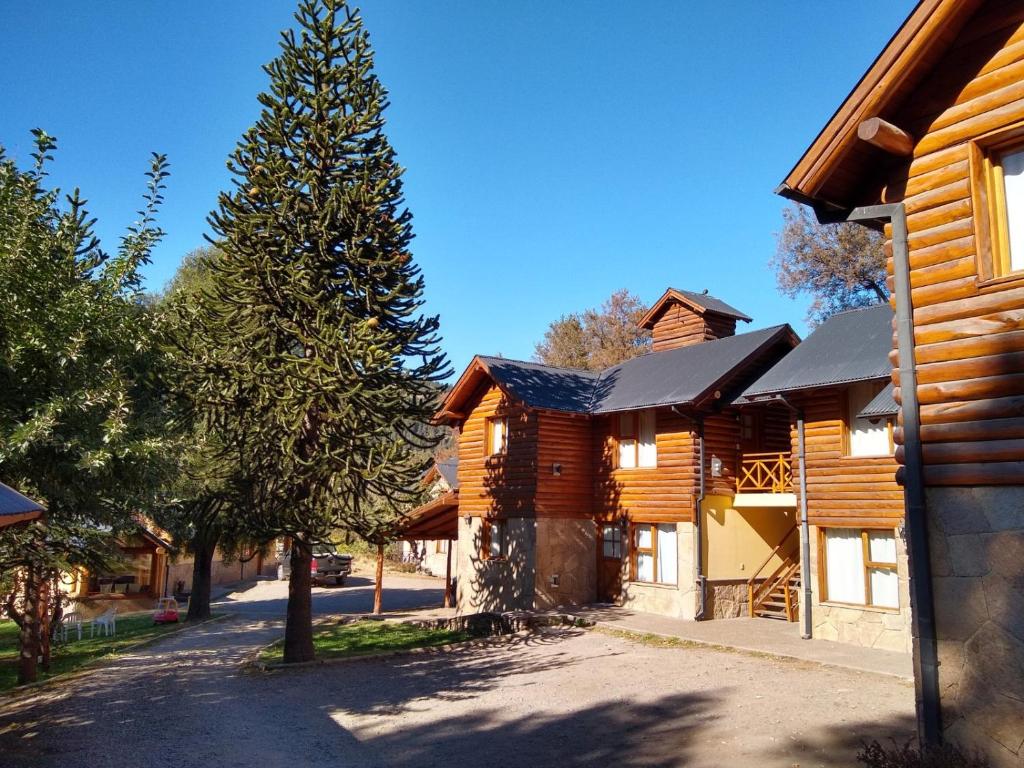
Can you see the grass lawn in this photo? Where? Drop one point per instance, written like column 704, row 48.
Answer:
column 131, row 629
column 365, row 637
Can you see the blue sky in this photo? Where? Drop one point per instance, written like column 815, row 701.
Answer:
column 555, row 151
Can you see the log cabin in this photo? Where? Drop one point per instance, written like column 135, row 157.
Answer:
column 929, row 146
column 617, row 485
column 836, row 392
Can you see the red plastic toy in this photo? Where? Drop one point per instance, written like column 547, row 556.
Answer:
column 166, row 611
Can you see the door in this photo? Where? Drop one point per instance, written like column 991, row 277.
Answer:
column 751, row 431
column 609, row 562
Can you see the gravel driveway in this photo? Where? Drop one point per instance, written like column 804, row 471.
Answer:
column 564, row 698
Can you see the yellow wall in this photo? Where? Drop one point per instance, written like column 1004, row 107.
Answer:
column 736, row 541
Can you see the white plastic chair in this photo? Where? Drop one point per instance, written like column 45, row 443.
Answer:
column 71, row 620
column 106, row 622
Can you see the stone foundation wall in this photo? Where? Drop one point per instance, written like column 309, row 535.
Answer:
column 507, row 584
column 976, row 543
column 726, row 599
column 678, row 601
column 867, row 627
column 566, row 562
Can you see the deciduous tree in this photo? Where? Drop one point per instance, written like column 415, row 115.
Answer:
column 840, row 266
column 596, row 339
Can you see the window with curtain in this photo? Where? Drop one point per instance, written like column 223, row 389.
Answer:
column 860, row 567
column 497, row 435
column 1002, row 166
column 866, row 437
column 655, row 553
column 637, row 433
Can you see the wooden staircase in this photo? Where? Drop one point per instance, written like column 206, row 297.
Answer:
column 777, row 595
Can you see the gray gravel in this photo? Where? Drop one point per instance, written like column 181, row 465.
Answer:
column 564, row 698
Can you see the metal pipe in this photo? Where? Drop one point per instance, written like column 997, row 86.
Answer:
column 805, row 529
column 926, row 662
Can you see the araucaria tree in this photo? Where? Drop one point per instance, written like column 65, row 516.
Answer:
column 319, row 349
column 840, row 266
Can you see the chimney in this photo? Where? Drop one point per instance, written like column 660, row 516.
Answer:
column 683, row 318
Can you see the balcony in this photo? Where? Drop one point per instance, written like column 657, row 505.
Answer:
column 765, row 480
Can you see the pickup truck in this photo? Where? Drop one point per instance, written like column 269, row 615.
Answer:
column 326, row 567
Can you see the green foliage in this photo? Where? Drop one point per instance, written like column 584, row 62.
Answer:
column 318, row 366
column 367, row 637
column 80, row 405
column 874, row 755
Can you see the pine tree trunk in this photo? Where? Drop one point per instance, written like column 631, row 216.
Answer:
column 378, row 587
column 29, row 637
column 202, row 579
column 298, row 629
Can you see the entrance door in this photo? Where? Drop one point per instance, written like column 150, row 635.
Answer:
column 751, row 431
column 609, row 562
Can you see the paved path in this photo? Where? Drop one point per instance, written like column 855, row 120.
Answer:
column 562, row 698
column 779, row 638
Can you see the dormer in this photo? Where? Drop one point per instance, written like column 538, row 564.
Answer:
column 681, row 318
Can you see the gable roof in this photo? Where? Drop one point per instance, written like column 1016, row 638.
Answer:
column 700, row 302
column 449, row 470
column 16, row 507
column 832, row 167
column 681, row 376
column 848, row 347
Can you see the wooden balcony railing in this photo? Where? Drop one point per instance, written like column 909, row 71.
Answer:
column 765, row 473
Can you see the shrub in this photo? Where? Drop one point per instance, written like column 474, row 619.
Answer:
column 874, row 755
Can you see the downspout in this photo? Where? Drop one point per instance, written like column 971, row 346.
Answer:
column 926, row 662
column 698, row 543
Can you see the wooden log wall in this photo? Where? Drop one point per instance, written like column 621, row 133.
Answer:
column 566, row 440
column 969, row 329
column 843, row 490
column 661, row 494
column 503, row 486
column 679, row 326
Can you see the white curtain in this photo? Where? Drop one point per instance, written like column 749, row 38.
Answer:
column 668, row 555
column 497, row 436
column 644, row 560
column 627, row 441
column 844, row 559
column 648, row 448
column 1013, row 179
column 884, row 581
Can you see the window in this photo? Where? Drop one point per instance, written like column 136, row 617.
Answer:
column 655, row 553
column 441, row 547
column 866, row 437
column 611, row 542
column 999, row 207
column 860, row 567
column 636, row 439
column 497, row 435
column 494, row 540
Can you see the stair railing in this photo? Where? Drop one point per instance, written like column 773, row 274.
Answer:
column 758, row 593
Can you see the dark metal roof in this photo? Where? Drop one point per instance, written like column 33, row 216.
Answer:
column 449, row 470
column 14, row 504
column 849, row 346
column 673, row 377
column 713, row 304
column 677, row 376
column 884, row 404
column 544, row 386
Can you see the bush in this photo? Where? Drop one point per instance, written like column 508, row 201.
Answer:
column 874, row 755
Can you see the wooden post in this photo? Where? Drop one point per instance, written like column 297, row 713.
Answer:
column 448, row 577
column 378, row 589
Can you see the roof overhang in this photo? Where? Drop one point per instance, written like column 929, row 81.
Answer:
column 17, row 508
column 437, row 519
column 828, row 173
column 451, row 407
